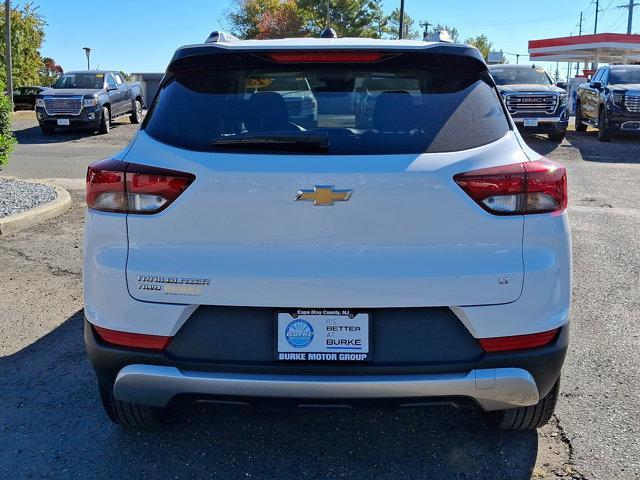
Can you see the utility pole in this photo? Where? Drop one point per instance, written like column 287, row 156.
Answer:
column 594, row 65
column 426, row 26
column 87, row 50
column 579, row 33
column 630, row 7
column 7, row 49
column 401, row 22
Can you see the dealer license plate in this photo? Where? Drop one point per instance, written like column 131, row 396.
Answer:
column 63, row 121
column 323, row 335
column 530, row 122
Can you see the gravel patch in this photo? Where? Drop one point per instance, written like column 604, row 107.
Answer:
column 18, row 196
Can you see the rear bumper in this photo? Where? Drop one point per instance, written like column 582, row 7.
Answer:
column 492, row 381
column 492, row 389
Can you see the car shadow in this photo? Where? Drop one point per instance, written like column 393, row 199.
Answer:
column 624, row 149
column 35, row 136
column 53, row 425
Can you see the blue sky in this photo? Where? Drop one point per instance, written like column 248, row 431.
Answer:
column 141, row 35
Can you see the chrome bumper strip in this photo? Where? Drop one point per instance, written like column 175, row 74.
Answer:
column 540, row 120
column 631, row 125
column 493, row 389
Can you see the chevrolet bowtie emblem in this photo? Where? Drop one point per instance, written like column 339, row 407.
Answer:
column 324, row 195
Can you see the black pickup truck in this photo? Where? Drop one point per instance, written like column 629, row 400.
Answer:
column 610, row 101
column 88, row 99
column 534, row 102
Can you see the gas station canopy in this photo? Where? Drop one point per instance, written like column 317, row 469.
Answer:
column 602, row 47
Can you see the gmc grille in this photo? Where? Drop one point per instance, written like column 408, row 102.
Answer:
column 63, row 105
column 632, row 102
column 528, row 102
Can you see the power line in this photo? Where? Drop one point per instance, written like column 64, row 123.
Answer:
column 616, row 23
column 517, row 55
column 607, row 7
column 517, row 22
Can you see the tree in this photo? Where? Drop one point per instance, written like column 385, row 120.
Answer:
column 289, row 18
column 27, row 34
column 482, row 43
column 407, row 26
column 380, row 23
column 349, row 18
column 50, row 71
column 284, row 20
column 7, row 140
column 244, row 18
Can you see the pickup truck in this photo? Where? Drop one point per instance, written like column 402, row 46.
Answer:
column 536, row 105
column 88, row 99
column 610, row 101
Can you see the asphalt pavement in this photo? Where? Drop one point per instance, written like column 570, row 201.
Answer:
column 52, row 426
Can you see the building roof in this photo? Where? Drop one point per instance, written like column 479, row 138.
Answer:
column 601, row 47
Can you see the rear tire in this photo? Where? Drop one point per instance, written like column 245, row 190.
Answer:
column 105, row 121
column 604, row 134
column 532, row 417
column 580, row 127
column 129, row 415
column 136, row 115
column 557, row 137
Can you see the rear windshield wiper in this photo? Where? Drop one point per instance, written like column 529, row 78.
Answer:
column 287, row 142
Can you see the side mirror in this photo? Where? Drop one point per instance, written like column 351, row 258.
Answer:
column 111, row 88
column 596, row 85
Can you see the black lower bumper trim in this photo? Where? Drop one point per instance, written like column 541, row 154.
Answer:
column 544, row 364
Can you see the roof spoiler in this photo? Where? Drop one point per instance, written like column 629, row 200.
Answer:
column 220, row 36
column 204, row 54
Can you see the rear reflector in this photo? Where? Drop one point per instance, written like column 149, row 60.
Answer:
column 115, row 186
column 520, row 342
column 327, row 57
column 133, row 340
column 518, row 189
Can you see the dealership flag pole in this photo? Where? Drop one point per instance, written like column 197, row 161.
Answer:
column 7, row 49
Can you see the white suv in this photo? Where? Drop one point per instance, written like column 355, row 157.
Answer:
column 232, row 254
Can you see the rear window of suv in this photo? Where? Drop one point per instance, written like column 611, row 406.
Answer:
column 407, row 107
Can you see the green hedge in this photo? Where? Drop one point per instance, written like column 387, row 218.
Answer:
column 7, row 140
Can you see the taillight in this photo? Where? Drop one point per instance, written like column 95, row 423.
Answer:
column 133, row 340
column 517, row 189
column 116, row 186
column 327, row 57
column 519, row 342
column 308, row 103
